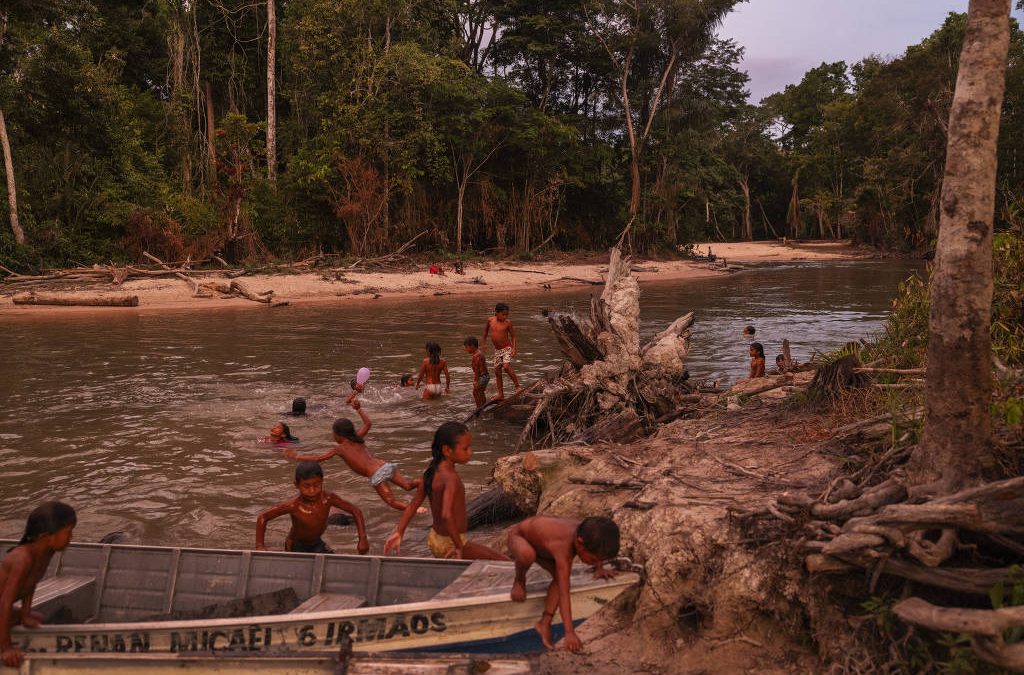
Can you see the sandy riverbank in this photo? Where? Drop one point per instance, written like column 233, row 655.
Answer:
column 169, row 293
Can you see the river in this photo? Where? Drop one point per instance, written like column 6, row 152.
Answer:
column 149, row 422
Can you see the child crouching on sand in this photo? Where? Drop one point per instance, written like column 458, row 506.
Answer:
column 553, row 543
column 47, row 531
column 442, row 485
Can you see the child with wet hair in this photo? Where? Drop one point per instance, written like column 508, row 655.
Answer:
column 352, row 450
column 443, row 486
column 480, row 375
column 756, row 360
column 280, row 434
column 48, row 530
column 309, row 511
column 553, row 543
column 431, row 369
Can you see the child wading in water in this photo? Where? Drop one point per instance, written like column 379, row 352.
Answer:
column 553, row 543
column 480, row 375
column 442, row 485
column 47, row 530
column 756, row 360
column 352, row 449
column 433, row 366
column 309, row 511
column 504, row 339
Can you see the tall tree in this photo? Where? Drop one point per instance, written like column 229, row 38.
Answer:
column 271, row 91
column 5, row 142
column 958, row 385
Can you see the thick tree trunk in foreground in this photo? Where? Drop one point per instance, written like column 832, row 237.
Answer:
column 271, row 92
column 12, row 193
column 959, row 382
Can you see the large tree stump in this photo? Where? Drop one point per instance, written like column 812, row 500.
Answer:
column 77, row 300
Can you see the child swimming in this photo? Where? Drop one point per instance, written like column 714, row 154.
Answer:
column 309, row 511
column 352, row 450
column 431, row 369
column 280, row 434
column 47, row 530
column 447, row 494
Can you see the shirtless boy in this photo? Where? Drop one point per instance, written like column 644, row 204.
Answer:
column 47, row 531
column 309, row 511
column 431, row 369
column 480, row 375
column 553, row 543
column 447, row 536
column 504, row 339
column 352, row 449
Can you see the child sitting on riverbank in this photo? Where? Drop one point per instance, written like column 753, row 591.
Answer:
column 447, row 494
column 352, row 449
column 431, row 369
column 756, row 360
column 47, row 530
column 553, row 543
column 309, row 511
column 280, row 434
column 480, row 375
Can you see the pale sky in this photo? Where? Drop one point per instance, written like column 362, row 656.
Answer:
column 786, row 38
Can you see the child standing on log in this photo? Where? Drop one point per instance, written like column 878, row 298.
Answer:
column 504, row 339
column 480, row 375
column 756, row 360
column 553, row 543
column 47, row 531
column 442, row 485
column 309, row 511
column 352, row 449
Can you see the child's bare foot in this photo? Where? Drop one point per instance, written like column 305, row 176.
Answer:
column 543, row 629
column 422, row 509
column 518, row 590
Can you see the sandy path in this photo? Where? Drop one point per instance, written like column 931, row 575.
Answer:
column 167, row 294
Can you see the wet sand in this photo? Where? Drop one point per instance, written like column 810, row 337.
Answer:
column 171, row 294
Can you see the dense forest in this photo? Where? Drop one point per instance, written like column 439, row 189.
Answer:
column 281, row 128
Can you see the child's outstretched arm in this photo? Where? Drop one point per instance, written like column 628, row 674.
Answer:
column 357, row 515
column 394, row 542
column 266, row 517
column 563, row 568
column 292, row 455
column 366, row 420
column 15, row 566
column 423, row 370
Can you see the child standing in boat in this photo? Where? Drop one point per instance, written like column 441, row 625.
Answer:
column 433, row 366
column 47, row 531
column 442, row 485
column 352, row 449
column 553, row 543
column 309, row 511
column 480, row 375
column 504, row 339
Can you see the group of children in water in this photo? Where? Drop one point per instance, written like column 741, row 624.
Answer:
column 757, row 358
column 553, row 543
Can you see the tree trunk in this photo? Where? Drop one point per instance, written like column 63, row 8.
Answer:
column 458, row 216
column 748, row 226
column 12, row 193
column 271, row 93
column 958, row 386
column 211, row 149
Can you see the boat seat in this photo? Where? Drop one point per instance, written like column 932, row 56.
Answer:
column 71, row 595
column 324, row 602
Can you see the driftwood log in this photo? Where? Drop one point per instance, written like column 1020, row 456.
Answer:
column 74, row 299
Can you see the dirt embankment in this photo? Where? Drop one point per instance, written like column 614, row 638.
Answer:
column 336, row 285
column 715, row 598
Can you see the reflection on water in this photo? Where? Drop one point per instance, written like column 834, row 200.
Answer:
column 149, row 423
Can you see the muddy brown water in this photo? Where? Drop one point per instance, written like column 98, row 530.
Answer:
column 148, row 423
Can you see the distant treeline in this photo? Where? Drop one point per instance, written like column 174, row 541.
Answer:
column 504, row 126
